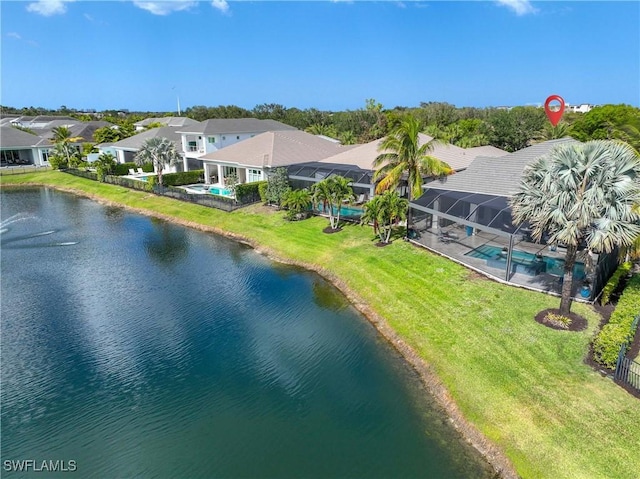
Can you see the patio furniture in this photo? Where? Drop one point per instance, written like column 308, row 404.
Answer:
column 132, row 172
column 140, row 172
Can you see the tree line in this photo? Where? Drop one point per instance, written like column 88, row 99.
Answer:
column 509, row 129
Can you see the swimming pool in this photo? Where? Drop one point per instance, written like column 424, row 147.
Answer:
column 214, row 190
column 345, row 211
column 523, row 262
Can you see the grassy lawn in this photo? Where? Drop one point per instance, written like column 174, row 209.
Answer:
column 523, row 385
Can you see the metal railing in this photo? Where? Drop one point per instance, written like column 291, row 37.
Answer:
column 627, row 370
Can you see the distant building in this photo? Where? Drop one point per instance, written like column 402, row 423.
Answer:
column 581, row 108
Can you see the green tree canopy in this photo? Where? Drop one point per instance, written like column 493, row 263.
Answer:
column 609, row 122
column 512, row 130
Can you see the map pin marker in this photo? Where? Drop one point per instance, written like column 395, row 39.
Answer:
column 554, row 116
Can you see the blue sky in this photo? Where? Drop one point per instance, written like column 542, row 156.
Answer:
column 325, row 54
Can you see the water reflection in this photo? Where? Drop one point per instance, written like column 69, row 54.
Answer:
column 166, row 244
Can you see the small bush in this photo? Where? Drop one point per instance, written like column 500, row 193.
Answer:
column 614, row 281
column 558, row 320
column 606, row 345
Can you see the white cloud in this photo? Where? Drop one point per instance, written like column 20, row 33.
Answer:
column 88, row 17
column 14, row 35
column 166, row 7
column 48, row 7
column 221, row 5
column 520, row 7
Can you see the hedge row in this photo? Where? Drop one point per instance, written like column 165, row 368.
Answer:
column 183, row 178
column 249, row 191
column 614, row 281
column 606, row 345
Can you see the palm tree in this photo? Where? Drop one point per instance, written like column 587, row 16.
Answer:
column 402, row 154
column 550, row 132
column 581, row 194
column 384, row 211
column 159, row 152
column 297, row 201
column 65, row 152
column 331, row 193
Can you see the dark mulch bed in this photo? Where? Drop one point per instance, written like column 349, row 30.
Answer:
column 380, row 244
column 578, row 323
column 329, row 230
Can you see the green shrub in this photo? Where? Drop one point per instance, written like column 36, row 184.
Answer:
column 183, row 178
column 614, row 281
column 262, row 190
column 606, row 345
column 123, row 168
column 249, row 191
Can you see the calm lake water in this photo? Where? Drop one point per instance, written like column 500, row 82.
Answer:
column 138, row 348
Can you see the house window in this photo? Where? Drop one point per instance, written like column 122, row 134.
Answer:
column 45, row 155
column 254, row 175
column 193, row 146
column 211, row 139
column 224, row 137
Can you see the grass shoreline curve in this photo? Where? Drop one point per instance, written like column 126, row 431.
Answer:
column 498, row 373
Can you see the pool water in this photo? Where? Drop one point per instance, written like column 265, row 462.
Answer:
column 524, row 262
column 345, row 211
column 213, row 189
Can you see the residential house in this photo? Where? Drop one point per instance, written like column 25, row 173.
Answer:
column 19, row 147
column 127, row 148
column 356, row 163
column 251, row 159
column 467, row 218
column 212, row 135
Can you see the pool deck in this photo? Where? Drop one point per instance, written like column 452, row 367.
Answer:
column 459, row 244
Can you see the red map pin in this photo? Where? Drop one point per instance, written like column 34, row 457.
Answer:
column 554, row 116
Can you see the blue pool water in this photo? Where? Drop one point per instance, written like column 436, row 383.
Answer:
column 213, row 189
column 524, row 262
column 345, row 211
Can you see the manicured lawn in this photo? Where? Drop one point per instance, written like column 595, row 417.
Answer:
column 523, row 385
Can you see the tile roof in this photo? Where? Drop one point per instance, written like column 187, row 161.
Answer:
column 11, row 137
column 218, row 126
column 363, row 156
column 497, row 176
column 168, row 121
column 276, row 148
column 135, row 142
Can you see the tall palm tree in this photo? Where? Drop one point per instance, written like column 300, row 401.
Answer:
column 160, row 152
column 581, row 193
column 402, row 154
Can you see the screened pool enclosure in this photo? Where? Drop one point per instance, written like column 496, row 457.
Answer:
column 477, row 230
